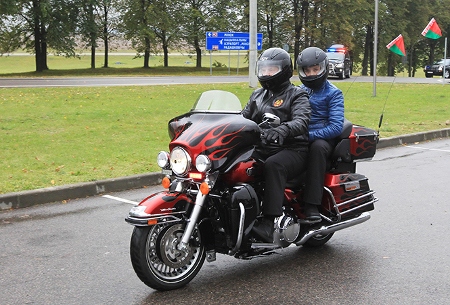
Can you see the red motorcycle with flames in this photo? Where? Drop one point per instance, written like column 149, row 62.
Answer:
column 214, row 188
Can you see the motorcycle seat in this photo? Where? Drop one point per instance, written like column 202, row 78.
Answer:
column 341, row 153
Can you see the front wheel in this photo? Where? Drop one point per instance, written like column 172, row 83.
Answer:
column 157, row 260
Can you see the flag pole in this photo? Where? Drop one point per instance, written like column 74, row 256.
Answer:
column 445, row 60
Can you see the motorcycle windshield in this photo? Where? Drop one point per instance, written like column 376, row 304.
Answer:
column 215, row 128
column 217, row 101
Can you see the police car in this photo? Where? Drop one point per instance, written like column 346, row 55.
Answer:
column 340, row 64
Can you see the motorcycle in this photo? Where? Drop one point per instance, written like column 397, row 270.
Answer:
column 214, row 192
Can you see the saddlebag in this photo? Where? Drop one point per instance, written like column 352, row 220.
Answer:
column 351, row 193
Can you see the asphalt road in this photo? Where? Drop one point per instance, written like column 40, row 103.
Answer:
column 77, row 252
column 173, row 80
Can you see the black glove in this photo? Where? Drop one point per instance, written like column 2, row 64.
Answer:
column 275, row 135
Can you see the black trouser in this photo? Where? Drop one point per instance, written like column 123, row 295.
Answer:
column 278, row 169
column 319, row 152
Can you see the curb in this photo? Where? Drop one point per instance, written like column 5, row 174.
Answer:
column 413, row 138
column 73, row 191
column 82, row 190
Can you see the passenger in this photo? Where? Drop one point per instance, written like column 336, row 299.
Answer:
column 284, row 147
column 327, row 121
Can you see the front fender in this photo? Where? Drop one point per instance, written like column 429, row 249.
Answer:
column 162, row 207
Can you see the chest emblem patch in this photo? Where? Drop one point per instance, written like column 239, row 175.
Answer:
column 278, row 103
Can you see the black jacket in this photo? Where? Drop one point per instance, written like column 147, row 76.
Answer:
column 291, row 105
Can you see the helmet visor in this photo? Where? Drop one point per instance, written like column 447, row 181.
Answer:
column 314, row 70
column 268, row 67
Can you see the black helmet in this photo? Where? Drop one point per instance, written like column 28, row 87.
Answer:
column 278, row 63
column 312, row 56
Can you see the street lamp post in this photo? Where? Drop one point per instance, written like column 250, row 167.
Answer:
column 253, row 81
column 375, row 48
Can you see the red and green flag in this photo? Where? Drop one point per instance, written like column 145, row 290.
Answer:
column 397, row 46
column 432, row 30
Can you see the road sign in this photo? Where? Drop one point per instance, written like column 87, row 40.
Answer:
column 216, row 41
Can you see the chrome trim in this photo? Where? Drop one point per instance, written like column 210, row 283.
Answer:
column 336, row 209
column 324, row 230
column 162, row 220
column 199, row 200
column 336, row 205
column 375, row 199
column 265, row 246
column 240, row 231
column 356, row 198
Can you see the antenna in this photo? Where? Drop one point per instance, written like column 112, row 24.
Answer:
column 384, row 106
column 350, row 86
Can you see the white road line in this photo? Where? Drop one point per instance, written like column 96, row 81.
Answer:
column 120, row 199
column 433, row 149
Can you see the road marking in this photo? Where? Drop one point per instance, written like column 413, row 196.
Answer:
column 424, row 148
column 121, row 199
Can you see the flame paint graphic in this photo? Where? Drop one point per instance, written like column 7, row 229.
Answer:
column 366, row 145
column 219, row 137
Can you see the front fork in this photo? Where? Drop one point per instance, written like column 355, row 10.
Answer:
column 199, row 200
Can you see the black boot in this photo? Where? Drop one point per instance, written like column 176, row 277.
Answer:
column 264, row 229
column 312, row 213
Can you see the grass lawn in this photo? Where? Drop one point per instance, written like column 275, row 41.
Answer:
column 57, row 136
column 223, row 63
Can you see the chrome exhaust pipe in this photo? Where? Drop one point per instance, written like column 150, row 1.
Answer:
column 324, row 230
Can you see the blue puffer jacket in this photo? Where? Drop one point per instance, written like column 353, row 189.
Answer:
column 327, row 112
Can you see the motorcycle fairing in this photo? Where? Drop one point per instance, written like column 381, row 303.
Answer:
column 219, row 136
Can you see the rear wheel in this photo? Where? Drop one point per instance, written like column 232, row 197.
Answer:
column 157, row 260
column 317, row 240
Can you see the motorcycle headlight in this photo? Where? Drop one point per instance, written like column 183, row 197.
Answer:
column 202, row 163
column 163, row 159
column 180, row 161
column 340, row 65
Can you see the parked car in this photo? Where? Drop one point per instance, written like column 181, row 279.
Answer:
column 340, row 63
column 437, row 68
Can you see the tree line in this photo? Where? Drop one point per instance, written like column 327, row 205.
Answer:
column 162, row 26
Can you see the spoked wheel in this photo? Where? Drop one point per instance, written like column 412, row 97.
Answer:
column 317, row 240
column 157, row 260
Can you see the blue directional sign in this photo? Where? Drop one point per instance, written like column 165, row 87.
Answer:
column 216, row 41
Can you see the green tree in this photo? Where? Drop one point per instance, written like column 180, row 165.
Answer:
column 165, row 30
column 40, row 25
column 89, row 29
column 201, row 16
column 136, row 26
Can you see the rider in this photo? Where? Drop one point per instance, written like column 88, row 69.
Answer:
column 284, row 147
column 327, row 120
